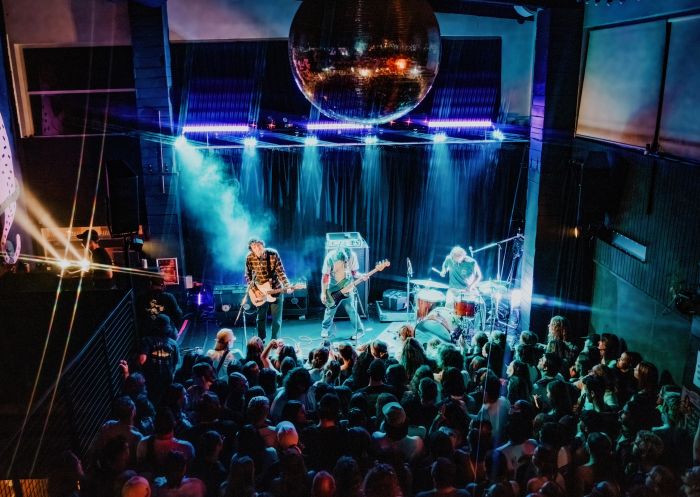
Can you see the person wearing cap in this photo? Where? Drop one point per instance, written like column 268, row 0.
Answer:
column 158, row 356
column 287, row 436
column 394, row 433
column 154, row 301
column 264, row 265
column 222, row 355
column 100, row 260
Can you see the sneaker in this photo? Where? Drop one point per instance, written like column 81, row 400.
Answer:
column 324, row 333
column 359, row 335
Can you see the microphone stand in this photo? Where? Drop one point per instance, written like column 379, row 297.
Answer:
column 244, row 306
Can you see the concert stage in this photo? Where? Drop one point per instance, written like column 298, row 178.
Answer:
column 304, row 332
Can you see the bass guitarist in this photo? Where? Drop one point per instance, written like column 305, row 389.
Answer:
column 340, row 268
column 261, row 266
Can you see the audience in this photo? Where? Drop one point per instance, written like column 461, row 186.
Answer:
column 363, row 423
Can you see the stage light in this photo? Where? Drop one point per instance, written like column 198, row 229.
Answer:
column 333, row 126
column 371, row 140
column 459, row 123
column 310, row 141
column 249, row 142
column 64, row 264
column 215, row 128
column 84, row 264
column 439, row 137
column 498, row 135
column 516, row 297
column 180, row 142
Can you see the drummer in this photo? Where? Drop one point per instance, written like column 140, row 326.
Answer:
column 464, row 271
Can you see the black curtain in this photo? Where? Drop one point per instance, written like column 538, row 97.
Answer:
column 406, row 201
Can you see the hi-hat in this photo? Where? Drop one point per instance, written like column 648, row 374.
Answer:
column 430, row 284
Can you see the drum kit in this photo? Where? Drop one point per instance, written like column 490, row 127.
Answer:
column 461, row 313
column 489, row 306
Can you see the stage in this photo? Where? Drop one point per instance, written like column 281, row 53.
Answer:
column 304, row 332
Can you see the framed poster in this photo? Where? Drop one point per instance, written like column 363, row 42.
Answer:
column 168, row 268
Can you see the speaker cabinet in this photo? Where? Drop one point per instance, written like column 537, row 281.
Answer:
column 122, row 198
column 354, row 241
column 296, row 304
column 227, row 302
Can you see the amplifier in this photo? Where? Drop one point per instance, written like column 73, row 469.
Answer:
column 227, row 301
column 394, row 300
column 348, row 239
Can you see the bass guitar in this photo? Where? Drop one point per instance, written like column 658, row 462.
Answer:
column 343, row 288
column 259, row 294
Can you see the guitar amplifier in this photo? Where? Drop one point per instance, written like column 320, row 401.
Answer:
column 227, row 302
column 296, row 304
column 354, row 241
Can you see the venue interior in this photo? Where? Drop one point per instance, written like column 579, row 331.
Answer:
column 550, row 146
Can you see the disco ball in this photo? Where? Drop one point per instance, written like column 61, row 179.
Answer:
column 367, row 61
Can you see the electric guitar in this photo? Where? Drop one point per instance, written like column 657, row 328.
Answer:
column 344, row 287
column 259, row 294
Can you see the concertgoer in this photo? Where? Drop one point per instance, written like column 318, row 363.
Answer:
column 100, row 260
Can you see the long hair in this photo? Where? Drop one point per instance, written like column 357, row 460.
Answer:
column 412, row 356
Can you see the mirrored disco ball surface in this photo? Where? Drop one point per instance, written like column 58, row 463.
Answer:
column 368, row 61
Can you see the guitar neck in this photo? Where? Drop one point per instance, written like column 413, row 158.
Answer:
column 357, row 282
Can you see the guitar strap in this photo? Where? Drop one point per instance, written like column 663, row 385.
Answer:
column 273, row 275
column 221, row 361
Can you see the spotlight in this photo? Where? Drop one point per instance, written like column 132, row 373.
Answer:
column 84, row 265
column 440, row 137
column 459, row 123
column 180, row 142
column 310, row 141
column 64, row 264
column 371, row 140
column 249, row 142
column 215, row 128
column 498, row 135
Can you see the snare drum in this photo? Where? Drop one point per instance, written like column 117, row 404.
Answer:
column 427, row 300
column 466, row 305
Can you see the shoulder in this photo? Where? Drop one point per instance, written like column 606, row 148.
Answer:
column 272, row 252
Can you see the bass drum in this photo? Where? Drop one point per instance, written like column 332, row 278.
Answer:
column 438, row 324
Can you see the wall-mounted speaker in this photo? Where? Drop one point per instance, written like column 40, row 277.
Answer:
column 122, row 198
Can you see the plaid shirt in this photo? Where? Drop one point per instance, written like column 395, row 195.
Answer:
column 256, row 269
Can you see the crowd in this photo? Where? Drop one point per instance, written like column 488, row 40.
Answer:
column 486, row 418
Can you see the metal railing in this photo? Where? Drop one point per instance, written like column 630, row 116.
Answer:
column 70, row 413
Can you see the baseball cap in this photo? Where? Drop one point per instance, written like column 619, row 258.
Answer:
column 89, row 233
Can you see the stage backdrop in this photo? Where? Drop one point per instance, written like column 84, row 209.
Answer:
column 407, row 201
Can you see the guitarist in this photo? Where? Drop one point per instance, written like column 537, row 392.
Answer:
column 340, row 268
column 263, row 265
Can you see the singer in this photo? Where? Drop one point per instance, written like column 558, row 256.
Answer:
column 464, row 271
column 263, row 265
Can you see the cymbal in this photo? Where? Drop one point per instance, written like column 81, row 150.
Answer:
column 492, row 287
column 430, row 284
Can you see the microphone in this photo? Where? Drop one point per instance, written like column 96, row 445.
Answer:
column 410, row 268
